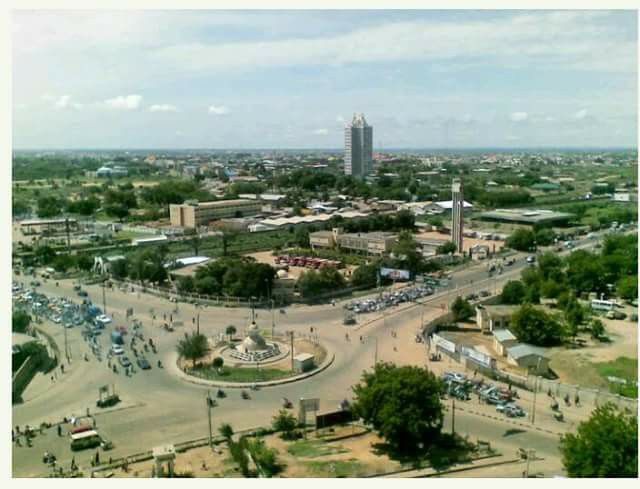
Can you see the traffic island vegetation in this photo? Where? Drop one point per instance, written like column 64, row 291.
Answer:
column 238, row 374
column 621, row 375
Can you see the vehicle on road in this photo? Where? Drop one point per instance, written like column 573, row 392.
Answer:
column 485, row 293
column 124, row 361
column 244, row 394
column 531, row 259
column 117, row 349
column 82, row 293
column 103, row 319
column 143, row 363
column 85, row 439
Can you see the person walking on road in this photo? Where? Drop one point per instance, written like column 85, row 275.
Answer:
column 59, row 430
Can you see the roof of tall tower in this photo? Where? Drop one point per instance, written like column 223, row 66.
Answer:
column 359, row 121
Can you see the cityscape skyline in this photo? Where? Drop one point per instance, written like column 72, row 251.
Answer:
column 178, row 80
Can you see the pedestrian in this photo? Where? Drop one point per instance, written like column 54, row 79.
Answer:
column 13, row 435
column 59, row 430
column 52, row 379
column 98, row 458
column 62, row 368
column 18, row 444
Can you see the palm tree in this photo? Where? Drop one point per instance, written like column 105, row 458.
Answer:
column 226, row 431
column 230, row 331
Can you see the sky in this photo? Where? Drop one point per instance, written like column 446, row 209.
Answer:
column 290, row 79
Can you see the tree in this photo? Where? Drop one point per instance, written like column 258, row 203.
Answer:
column 226, row 431
column 513, row 292
column 461, row 309
column 230, row 331
column 365, row 275
column 20, row 322
column 532, row 325
column 606, row 445
column 402, row 404
column 521, row 240
column 45, row 254
column 314, row 282
column 218, row 362
column 301, row 237
column 406, row 253
column 49, row 206
column 193, row 347
column 544, row 236
column 284, row 422
column 574, row 315
column 627, row 287
column 446, row 248
column 597, row 329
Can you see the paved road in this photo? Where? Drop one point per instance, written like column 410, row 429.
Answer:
column 160, row 408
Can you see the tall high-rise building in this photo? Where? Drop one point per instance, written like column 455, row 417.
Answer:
column 358, row 147
column 457, row 214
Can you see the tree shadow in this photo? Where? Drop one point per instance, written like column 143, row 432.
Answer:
column 439, row 453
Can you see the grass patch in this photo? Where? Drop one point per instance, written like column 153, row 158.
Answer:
column 337, row 468
column 313, row 448
column 624, row 368
column 233, row 374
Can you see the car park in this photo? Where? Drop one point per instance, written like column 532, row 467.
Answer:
column 389, row 299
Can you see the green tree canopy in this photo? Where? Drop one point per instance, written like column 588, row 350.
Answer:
column 406, row 253
column 606, row 445
column 284, row 422
column 535, row 326
column 193, row 347
column 20, row 322
column 521, row 240
column 627, row 287
column 402, row 404
column 513, row 292
column 446, row 248
column 461, row 309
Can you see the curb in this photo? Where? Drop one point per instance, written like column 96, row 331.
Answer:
column 244, row 385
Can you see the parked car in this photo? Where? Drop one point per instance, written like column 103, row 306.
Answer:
column 82, row 293
column 117, row 349
column 143, row 363
column 124, row 361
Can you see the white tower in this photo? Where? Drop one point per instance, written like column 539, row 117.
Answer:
column 457, row 214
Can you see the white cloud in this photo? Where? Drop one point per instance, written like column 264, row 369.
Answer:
column 218, row 110
column 581, row 114
column 321, row 132
column 163, row 108
column 124, row 102
column 519, row 116
column 62, row 102
column 340, row 119
column 548, row 39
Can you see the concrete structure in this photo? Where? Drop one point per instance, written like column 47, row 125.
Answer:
column 150, row 241
column 358, row 147
column 457, row 216
column 165, row 454
column 527, row 217
column 254, row 348
column 479, row 252
column 303, row 362
column 35, row 226
column 378, row 243
column 529, row 357
column 108, row 172
column 489, row 317
column 193, row 214
column 503, row 339
column 623, row 196
column 286, row 222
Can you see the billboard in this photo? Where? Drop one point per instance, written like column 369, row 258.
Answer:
column 444, row 344
column 395, row 274
column 478, row 357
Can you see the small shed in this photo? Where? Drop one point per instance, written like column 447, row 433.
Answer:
column 529, row 357
column 303, row 362
column 503, row 339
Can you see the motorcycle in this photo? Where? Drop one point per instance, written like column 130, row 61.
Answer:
column 286, row 403
column 245, row 395
column 220, row 394
column 159, row 364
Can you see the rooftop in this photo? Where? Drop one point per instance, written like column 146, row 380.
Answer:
column 524, row 350
column 531, row 216
column 503, row 335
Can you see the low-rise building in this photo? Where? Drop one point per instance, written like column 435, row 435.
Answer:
column 491, row 317
column 528, row 357
column 503, row 339
column 193, row 214
column 479, row 252
column 377, row 243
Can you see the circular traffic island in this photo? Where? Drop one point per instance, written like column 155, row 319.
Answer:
column 257, row 361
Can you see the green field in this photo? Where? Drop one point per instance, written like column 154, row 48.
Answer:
column 313, row 448
column 623, row 368
column 233, row 374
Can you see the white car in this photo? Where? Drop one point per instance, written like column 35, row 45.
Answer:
column 117, row 349
column 104, row 319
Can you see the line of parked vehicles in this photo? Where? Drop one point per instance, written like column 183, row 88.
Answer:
column 460, row 387
column 389, row 299
column 307, row 262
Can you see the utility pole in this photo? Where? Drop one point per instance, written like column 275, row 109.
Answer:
column 273, row 321
column 453, row 415
column 535, row 392
column 291, row 336
column 104, row 296
column 66, row 346
column 209, row 406
column 66, row 225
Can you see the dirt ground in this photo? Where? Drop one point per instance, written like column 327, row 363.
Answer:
column 356, row 451
column 576, row 366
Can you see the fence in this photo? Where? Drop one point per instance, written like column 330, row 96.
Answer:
column 23, row 376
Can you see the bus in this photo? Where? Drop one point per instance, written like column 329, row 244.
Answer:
column 85, row 439
column 602, row 305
